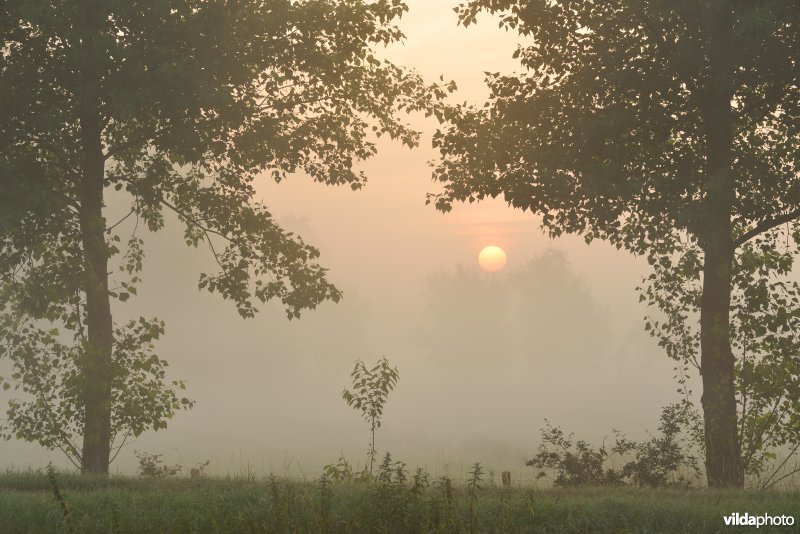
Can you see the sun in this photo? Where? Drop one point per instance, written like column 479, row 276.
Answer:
column 492, row 258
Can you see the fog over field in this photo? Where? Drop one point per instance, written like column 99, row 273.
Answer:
column 483, row 358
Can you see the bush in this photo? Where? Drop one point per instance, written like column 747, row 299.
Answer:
column 152, row 466
column 581, row 466
column 656, row 462
column 659, row 460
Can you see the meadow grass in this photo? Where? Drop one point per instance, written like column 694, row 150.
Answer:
column 134, row 504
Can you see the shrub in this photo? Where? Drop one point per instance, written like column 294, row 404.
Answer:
column 340, row 471
column 151, row 465
column 581, row 466
column 659, row 460
column 656, row 462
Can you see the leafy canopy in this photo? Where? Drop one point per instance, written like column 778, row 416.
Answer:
column 195, row 100
column 603, row 130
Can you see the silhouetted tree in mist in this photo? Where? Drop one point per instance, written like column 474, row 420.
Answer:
column 466, row 317
column 554, row 314
column 181, row 105
column 540, row 312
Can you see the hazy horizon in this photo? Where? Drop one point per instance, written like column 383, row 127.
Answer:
column 268, row 391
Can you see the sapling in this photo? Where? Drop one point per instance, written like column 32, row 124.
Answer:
column 371, row 388
column 473, row 486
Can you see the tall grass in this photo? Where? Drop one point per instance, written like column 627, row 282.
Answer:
column 390, row 502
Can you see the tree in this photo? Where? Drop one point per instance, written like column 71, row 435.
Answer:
column 469, row 316
column 371, row 389
column 47, row 359
column 181, row 104
column 50, row 372
column 549, row 299
column 646, row 124
column 466, row 318
column 765, row 316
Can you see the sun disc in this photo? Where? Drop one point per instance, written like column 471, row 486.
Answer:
column 492, row 258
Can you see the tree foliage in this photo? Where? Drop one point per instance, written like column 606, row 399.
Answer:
column 652, row 125
column 48, row 360
column 197, row 100
column 179, row 105
column 765, row 313
column 603, row 132
column 521, row 313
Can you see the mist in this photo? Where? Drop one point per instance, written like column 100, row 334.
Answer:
column 484, row 358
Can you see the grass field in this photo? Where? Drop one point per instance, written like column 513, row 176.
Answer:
column 131, row 504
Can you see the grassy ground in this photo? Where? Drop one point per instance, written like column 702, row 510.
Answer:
column 127, row 504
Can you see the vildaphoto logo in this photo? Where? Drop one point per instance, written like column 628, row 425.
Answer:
column 763, row 520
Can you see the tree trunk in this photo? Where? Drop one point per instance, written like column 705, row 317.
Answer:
column 723, row 455
column 724, row 466
column 97, row 358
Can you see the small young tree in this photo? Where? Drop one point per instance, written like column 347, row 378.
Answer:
column 371, row 387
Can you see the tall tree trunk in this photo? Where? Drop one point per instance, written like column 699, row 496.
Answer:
column 97, row 360
column 724, row 466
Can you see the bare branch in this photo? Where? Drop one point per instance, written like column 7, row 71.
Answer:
column 108, row 230
column 766, row 483
column 119, row 447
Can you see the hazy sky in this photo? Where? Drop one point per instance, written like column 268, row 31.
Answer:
column 483, row 358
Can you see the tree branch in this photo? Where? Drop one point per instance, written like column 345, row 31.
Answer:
column 760, row 435
column 119, row 447
column 64, row 444
column 108, row 230
column 194, row 221
column 767, row 484
column 765, row 225
column 206, row 231
column 132, row 142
